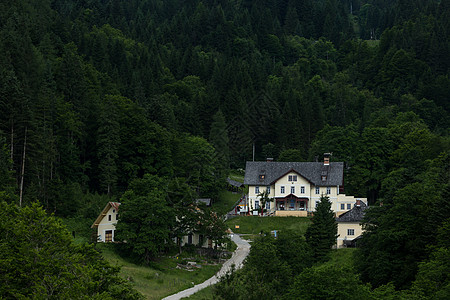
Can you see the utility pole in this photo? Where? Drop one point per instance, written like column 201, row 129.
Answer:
column 253, row 151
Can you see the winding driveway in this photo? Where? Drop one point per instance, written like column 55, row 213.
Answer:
column 243, row 248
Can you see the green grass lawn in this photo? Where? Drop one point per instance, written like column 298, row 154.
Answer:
column 342, row 257
column 236, row 175
column 254, row 224
column 205, row 294
column 225, row 202
column 162, row 278
column 373, row 43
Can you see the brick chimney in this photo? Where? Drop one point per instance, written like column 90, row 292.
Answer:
column 269, row 159
column 358, row 202
column 326, row 159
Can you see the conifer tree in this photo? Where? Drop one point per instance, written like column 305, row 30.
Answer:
column 322, row 233
column 218, row 137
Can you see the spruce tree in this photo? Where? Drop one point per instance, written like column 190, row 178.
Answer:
column 218, row 137
column 322, row 233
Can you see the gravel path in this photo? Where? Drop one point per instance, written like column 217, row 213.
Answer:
column 243, row 248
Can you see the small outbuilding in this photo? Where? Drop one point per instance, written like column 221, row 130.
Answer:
column 234, row 186
column 106, row 222
column 349, row 225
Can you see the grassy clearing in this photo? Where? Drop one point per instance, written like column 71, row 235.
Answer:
column 254, row 224
column 372, row 43
column 236, row 175
column 225, row 202
column 80, row 228
column 162, row 278
column 205, row 294
column 342, row 257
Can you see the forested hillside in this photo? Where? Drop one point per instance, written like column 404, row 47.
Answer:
column 95, row 94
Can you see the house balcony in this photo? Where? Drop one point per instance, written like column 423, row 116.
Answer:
column 291, row 213
column 291, row 206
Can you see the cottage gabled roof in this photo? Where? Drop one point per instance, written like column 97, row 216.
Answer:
column 266, row 173
column 114, row 205
column 234, row 183
column 207, row 201
column 356, row 214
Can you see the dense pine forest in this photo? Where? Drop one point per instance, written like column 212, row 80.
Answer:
column 100, row 97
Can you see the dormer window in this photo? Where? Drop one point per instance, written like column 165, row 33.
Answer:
column 262, row 176
column 324, row 175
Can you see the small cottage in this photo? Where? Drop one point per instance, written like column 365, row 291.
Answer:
column 106, row 222
column 349, row 225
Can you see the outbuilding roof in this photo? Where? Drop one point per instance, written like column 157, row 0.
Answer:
column 207, row 201
column 319, row 174
column 356, row 214
column 234, row 183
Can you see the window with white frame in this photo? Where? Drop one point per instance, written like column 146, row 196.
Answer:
column 317, row 190
column 317, row 203
column 292, row 178
column 268, row 205
column 292, row 189
column 302, row 189
column 268, row 189
column 109, row 217
column 256, row 189
column 328, row 190
column 342, row 206
column 282, row 189
column 350, row 231
column 349, row 206
column 257, row 204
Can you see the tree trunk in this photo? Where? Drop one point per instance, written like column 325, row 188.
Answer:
column 22, row 172
column 12, row 143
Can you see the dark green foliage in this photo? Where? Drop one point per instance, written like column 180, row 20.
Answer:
column 322, row 233
column 39, row 259
column 218, row 137
column 96, row 94
column 328, row 282
column 277, row 82
column 294, row 251
column 264, row 270
column 6, row 176
column 399, row 233
column 145, row 220
column 211, row 225
column 291, row 155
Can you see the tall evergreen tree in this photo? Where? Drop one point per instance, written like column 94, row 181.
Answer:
column 218, row 137
column 322, row 233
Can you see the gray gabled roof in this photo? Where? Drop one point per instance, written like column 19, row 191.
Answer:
column 234, row 182
column 207, row 201
column 311, row 171
column 356, row 214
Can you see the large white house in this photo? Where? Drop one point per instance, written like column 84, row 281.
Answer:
column 296, row 187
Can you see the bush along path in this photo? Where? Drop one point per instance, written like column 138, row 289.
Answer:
column 243, row 248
